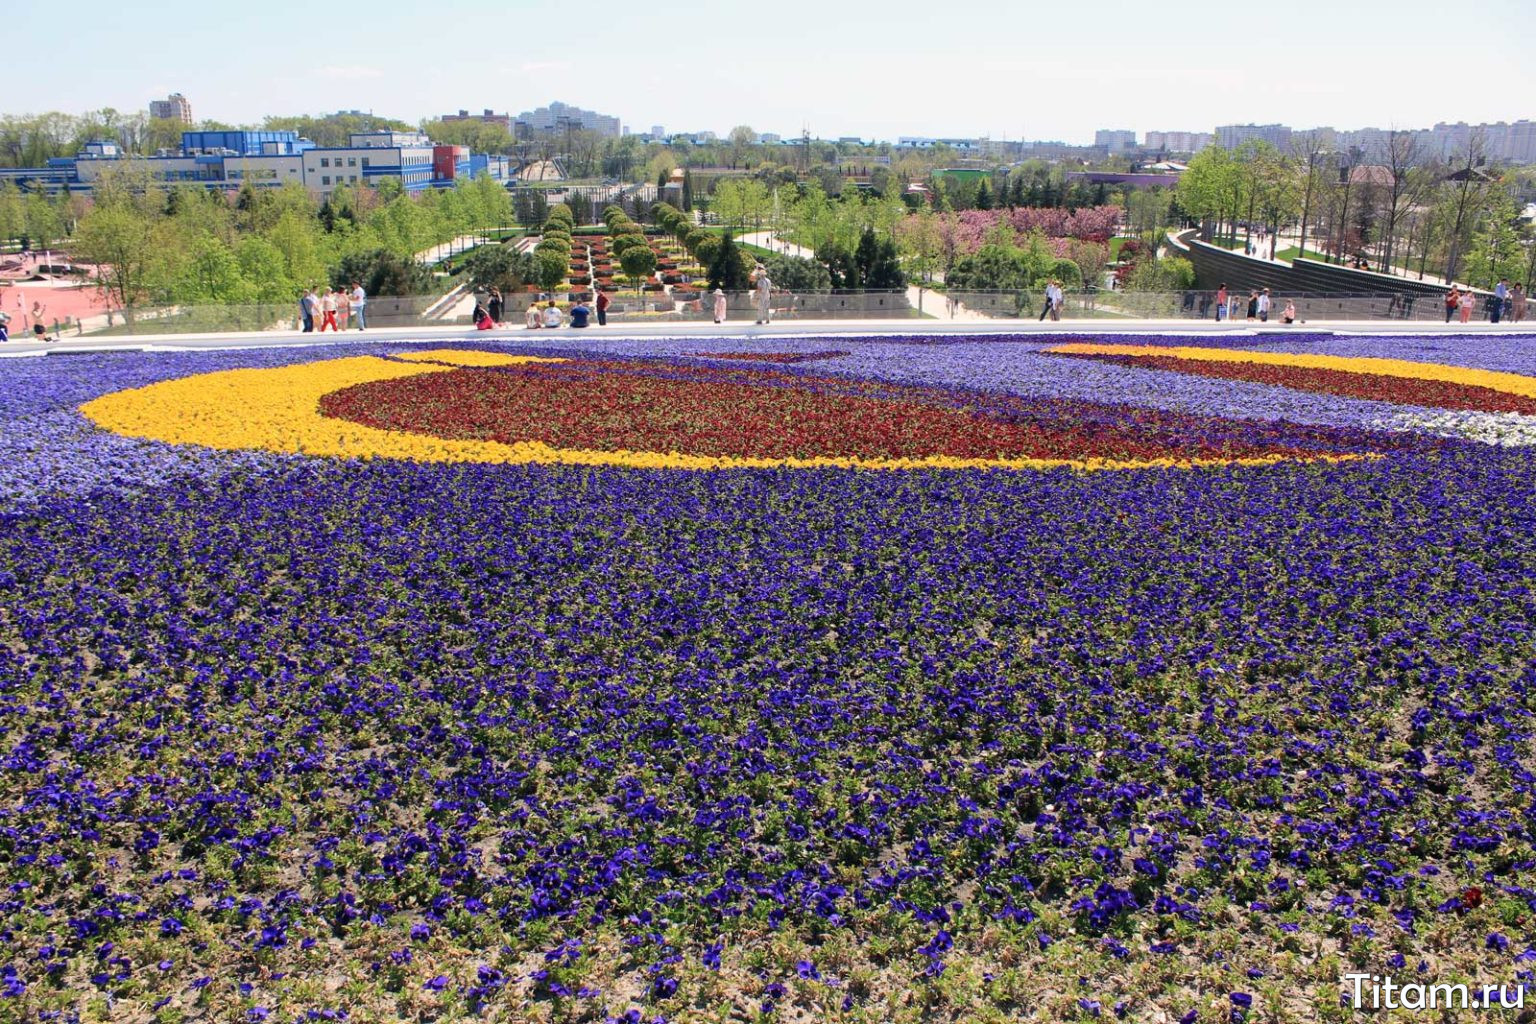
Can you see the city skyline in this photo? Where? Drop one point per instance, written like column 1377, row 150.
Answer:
column 839, row 74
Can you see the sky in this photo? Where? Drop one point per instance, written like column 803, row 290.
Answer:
column 876, row 71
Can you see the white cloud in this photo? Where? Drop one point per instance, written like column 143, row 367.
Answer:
column 547, row 65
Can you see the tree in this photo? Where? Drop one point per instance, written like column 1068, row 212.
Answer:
column 1147, row 210
column 920, row 243
column 706, row 248
column 549, row 268
column 13, row 215
column 1172, row 274
column 1496, row 251
column 997, row 266
column 623, row 243
column 1211, row 190
column 1406, row 182
column 261, row 265
column 119, row 240
column 797, row 274
column 841, row 266
column 742, row 138
column 1468, row 186
column 294, row 236
column 726, row 270
column 384, row 273
column 43, row 225
column 878, row 266
column 639, row 262
column 498, row 266
column 1310, row 149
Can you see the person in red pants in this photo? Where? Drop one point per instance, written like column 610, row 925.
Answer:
column 328, row 307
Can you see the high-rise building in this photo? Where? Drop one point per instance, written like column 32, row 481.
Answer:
column 1115, row 140
column 561, row 117
column 173, row 108
column 1177, row 142
column 1232, row 136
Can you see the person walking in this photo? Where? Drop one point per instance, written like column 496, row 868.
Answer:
column 1253, row 305
column 1221, row 302
column 1264, row 306
column 1500, row 300
column 1468, row 300
column 359, row 300
column 764, row 296
column 307, row 307
column 1056, row 297
column 1452, row 302
column 343, row 307
column 494, row 306
column 719, row 294
column 1517, row 303
column 328, row 310
column 5, row 326
column 602, row 308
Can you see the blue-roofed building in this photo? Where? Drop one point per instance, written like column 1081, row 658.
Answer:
column 243, row 143
column 230, row 159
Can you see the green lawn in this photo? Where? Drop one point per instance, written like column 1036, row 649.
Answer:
column 1291, row 252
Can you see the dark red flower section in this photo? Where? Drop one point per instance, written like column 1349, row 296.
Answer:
column 753, row 413
column 773, row 357
column 1433, row 394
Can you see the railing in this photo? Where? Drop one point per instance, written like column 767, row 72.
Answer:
column 680, row 305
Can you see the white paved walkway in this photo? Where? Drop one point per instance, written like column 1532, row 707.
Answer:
column 850, row 329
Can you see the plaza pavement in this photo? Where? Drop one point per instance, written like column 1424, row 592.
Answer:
column 514, row 337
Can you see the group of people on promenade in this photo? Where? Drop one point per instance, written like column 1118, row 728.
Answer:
column 1507, row 301
column 1258, row 309
column 333, row 308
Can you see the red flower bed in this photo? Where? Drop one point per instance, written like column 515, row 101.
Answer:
column 1374, row 387
column 715, row 411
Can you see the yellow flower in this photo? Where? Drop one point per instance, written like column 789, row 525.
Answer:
column 1494, row 380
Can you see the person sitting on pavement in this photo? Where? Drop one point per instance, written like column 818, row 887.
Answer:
column 552, row 315
column 579, row 314
column 481, row 318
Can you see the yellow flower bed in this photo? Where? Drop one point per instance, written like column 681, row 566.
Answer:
column 1494, row 380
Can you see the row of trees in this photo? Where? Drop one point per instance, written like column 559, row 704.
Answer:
column 31, row 140
column 1399, row 208
column 628, row 244
column 187, row 244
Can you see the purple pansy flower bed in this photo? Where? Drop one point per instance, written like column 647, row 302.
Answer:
column 290, row 739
